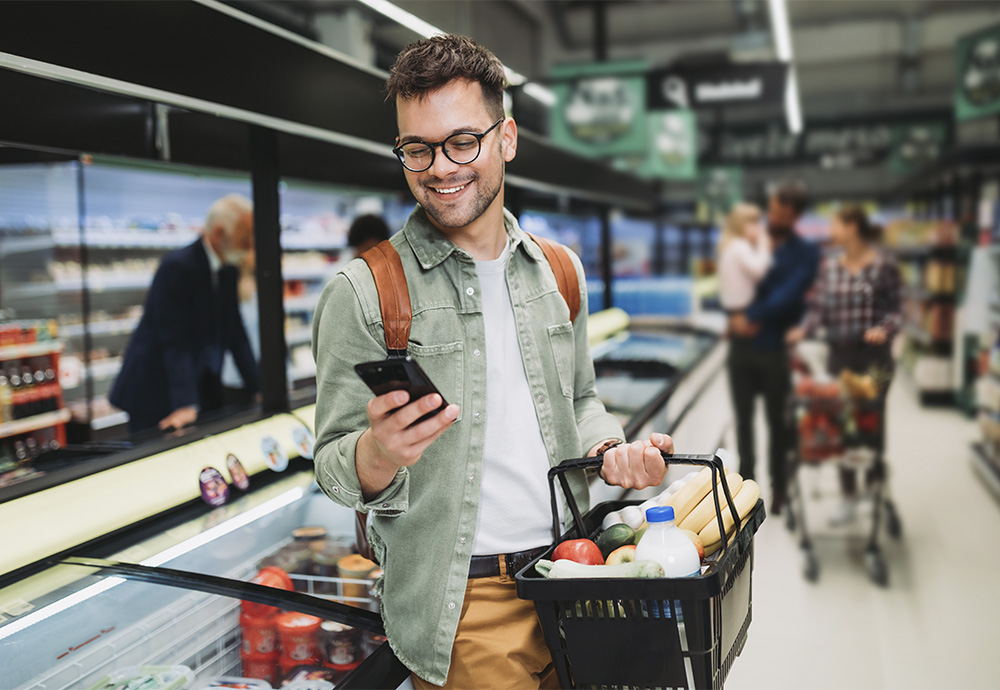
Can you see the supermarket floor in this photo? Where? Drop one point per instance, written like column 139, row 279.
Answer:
column 937, row 624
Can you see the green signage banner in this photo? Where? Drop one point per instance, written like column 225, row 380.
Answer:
column 915, row 146
column 673, row 145
column 720, row 188
column 977, row 74
column 601, row 108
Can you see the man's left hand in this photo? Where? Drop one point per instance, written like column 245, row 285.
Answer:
column 639, row 464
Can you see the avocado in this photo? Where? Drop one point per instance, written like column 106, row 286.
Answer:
column 613, row 537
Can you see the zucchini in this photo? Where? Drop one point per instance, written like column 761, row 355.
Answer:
column 571, row 569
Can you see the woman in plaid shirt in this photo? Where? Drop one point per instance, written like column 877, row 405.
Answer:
column 855, row 308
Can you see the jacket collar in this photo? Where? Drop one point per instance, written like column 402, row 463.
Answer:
column 431, row 247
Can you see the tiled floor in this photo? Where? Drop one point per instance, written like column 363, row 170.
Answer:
column 936, row 625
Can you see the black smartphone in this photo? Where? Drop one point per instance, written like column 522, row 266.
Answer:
column 401, row 373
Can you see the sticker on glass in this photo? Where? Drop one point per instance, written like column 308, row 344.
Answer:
column 274, row 454
column 304, row 441
column 236, row 472
column 214, row 489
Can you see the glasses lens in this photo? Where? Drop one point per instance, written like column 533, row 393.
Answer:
column 462, row 148
column 417, row 156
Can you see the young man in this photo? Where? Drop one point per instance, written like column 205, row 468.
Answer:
column 459, row 502
column 758, row 360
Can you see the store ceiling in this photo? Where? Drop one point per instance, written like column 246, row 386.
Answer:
column 854, row 57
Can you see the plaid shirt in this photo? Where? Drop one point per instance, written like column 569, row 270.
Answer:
column 842, row 305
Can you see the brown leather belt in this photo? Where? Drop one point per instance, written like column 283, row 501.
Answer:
column 489, row 566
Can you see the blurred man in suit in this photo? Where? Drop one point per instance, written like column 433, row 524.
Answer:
column 172, row 367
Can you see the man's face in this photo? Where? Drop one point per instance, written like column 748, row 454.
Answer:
column 780, row 217
column 455, row 196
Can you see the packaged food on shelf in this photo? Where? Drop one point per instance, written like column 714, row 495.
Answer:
column 234, row 683
column 298, row 634
column 340, row 645
column 147, row 678
column 260, row 666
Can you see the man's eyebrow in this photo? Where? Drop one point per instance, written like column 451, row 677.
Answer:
column 413, row 137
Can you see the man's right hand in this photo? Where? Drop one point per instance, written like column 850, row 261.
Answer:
column 390, row 443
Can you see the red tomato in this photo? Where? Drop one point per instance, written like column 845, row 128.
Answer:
column 579, row 550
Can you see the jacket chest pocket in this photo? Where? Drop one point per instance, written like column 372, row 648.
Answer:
column 444, row 366
column 563, row 347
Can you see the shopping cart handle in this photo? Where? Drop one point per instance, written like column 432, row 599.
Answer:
column 711, row 461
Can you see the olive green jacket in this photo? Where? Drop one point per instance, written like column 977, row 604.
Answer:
column 423, row 524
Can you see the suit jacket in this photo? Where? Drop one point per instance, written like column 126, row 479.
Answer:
column 174, row 358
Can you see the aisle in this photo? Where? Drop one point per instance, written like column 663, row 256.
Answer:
column 937, row 623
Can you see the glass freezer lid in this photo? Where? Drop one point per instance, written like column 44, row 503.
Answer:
column 115, row 617
column 678, row 350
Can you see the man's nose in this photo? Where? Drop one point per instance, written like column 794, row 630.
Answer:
column 442, row 165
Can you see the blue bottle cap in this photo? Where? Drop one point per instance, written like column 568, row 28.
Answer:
column 660, row 514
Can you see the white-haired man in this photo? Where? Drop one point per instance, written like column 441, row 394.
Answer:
column 172, row 367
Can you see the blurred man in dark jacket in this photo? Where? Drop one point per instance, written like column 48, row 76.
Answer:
column 758, row 358
column 173, row 363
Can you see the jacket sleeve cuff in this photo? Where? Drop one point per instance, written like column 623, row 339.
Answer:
column 597, row 429
column 338, row 478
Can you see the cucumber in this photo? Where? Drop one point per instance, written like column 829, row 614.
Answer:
column 571, row 569
column 613, row 537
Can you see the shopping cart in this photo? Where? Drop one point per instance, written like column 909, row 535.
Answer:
column 644, row 633
column 827, row 424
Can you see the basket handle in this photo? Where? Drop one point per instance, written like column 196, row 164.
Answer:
column 711, row 461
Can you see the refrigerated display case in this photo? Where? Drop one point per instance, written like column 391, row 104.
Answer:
column 174, row 602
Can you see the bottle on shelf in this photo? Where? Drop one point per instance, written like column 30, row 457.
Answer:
column 664, row 543
column 6, row 399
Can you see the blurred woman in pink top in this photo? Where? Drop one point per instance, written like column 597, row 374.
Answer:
column 744, row 257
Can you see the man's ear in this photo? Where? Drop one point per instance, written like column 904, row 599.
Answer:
column 509, row 135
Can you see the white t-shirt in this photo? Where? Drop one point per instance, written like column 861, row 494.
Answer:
column 741, row 266
column 514, row 512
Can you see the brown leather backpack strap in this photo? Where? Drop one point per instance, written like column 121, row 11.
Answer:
column 565, row 273
column 393, row 295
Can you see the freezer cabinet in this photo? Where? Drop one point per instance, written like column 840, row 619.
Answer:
column 172, row 605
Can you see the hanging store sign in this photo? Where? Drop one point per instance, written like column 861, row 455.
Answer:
column 895, row 143
column 673, row 149
column 977, row 74
column 600, row 108
column 703, row 86
column 720, row 188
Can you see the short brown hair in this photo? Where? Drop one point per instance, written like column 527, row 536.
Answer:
column 852, row 214
column 429, row 64
column 793, row 194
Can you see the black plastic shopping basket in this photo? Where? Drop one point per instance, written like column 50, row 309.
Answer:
column 645, row 633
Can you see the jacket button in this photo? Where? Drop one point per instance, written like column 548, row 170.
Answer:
column 470, row 291
column 461, row 540
column 336, row 489
column 476, row 352
column 451, row 604
column 385, row 505
column 541, row 398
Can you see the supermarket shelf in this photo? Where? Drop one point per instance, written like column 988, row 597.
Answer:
column 298, row 336
column 109, row 420
column 936, row 251
column 102, row 283
column 302, row 303
column 924, row 338
column 987, row 468
column 307, row 273
column 301, row 373
column 49, row 347
column 29, row 424
column 23, row 245
column 110, row 327
column 924, row 295
column 299, row 242
column 100, row 370
column 128, row 239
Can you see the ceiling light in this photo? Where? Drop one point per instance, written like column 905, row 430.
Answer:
column 540, row 93
column 401, row 16
column 781, row 30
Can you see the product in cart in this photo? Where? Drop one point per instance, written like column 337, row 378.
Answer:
column 664, row 543
column 147, row 678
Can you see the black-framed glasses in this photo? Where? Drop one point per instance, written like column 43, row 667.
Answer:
column 461, row 148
